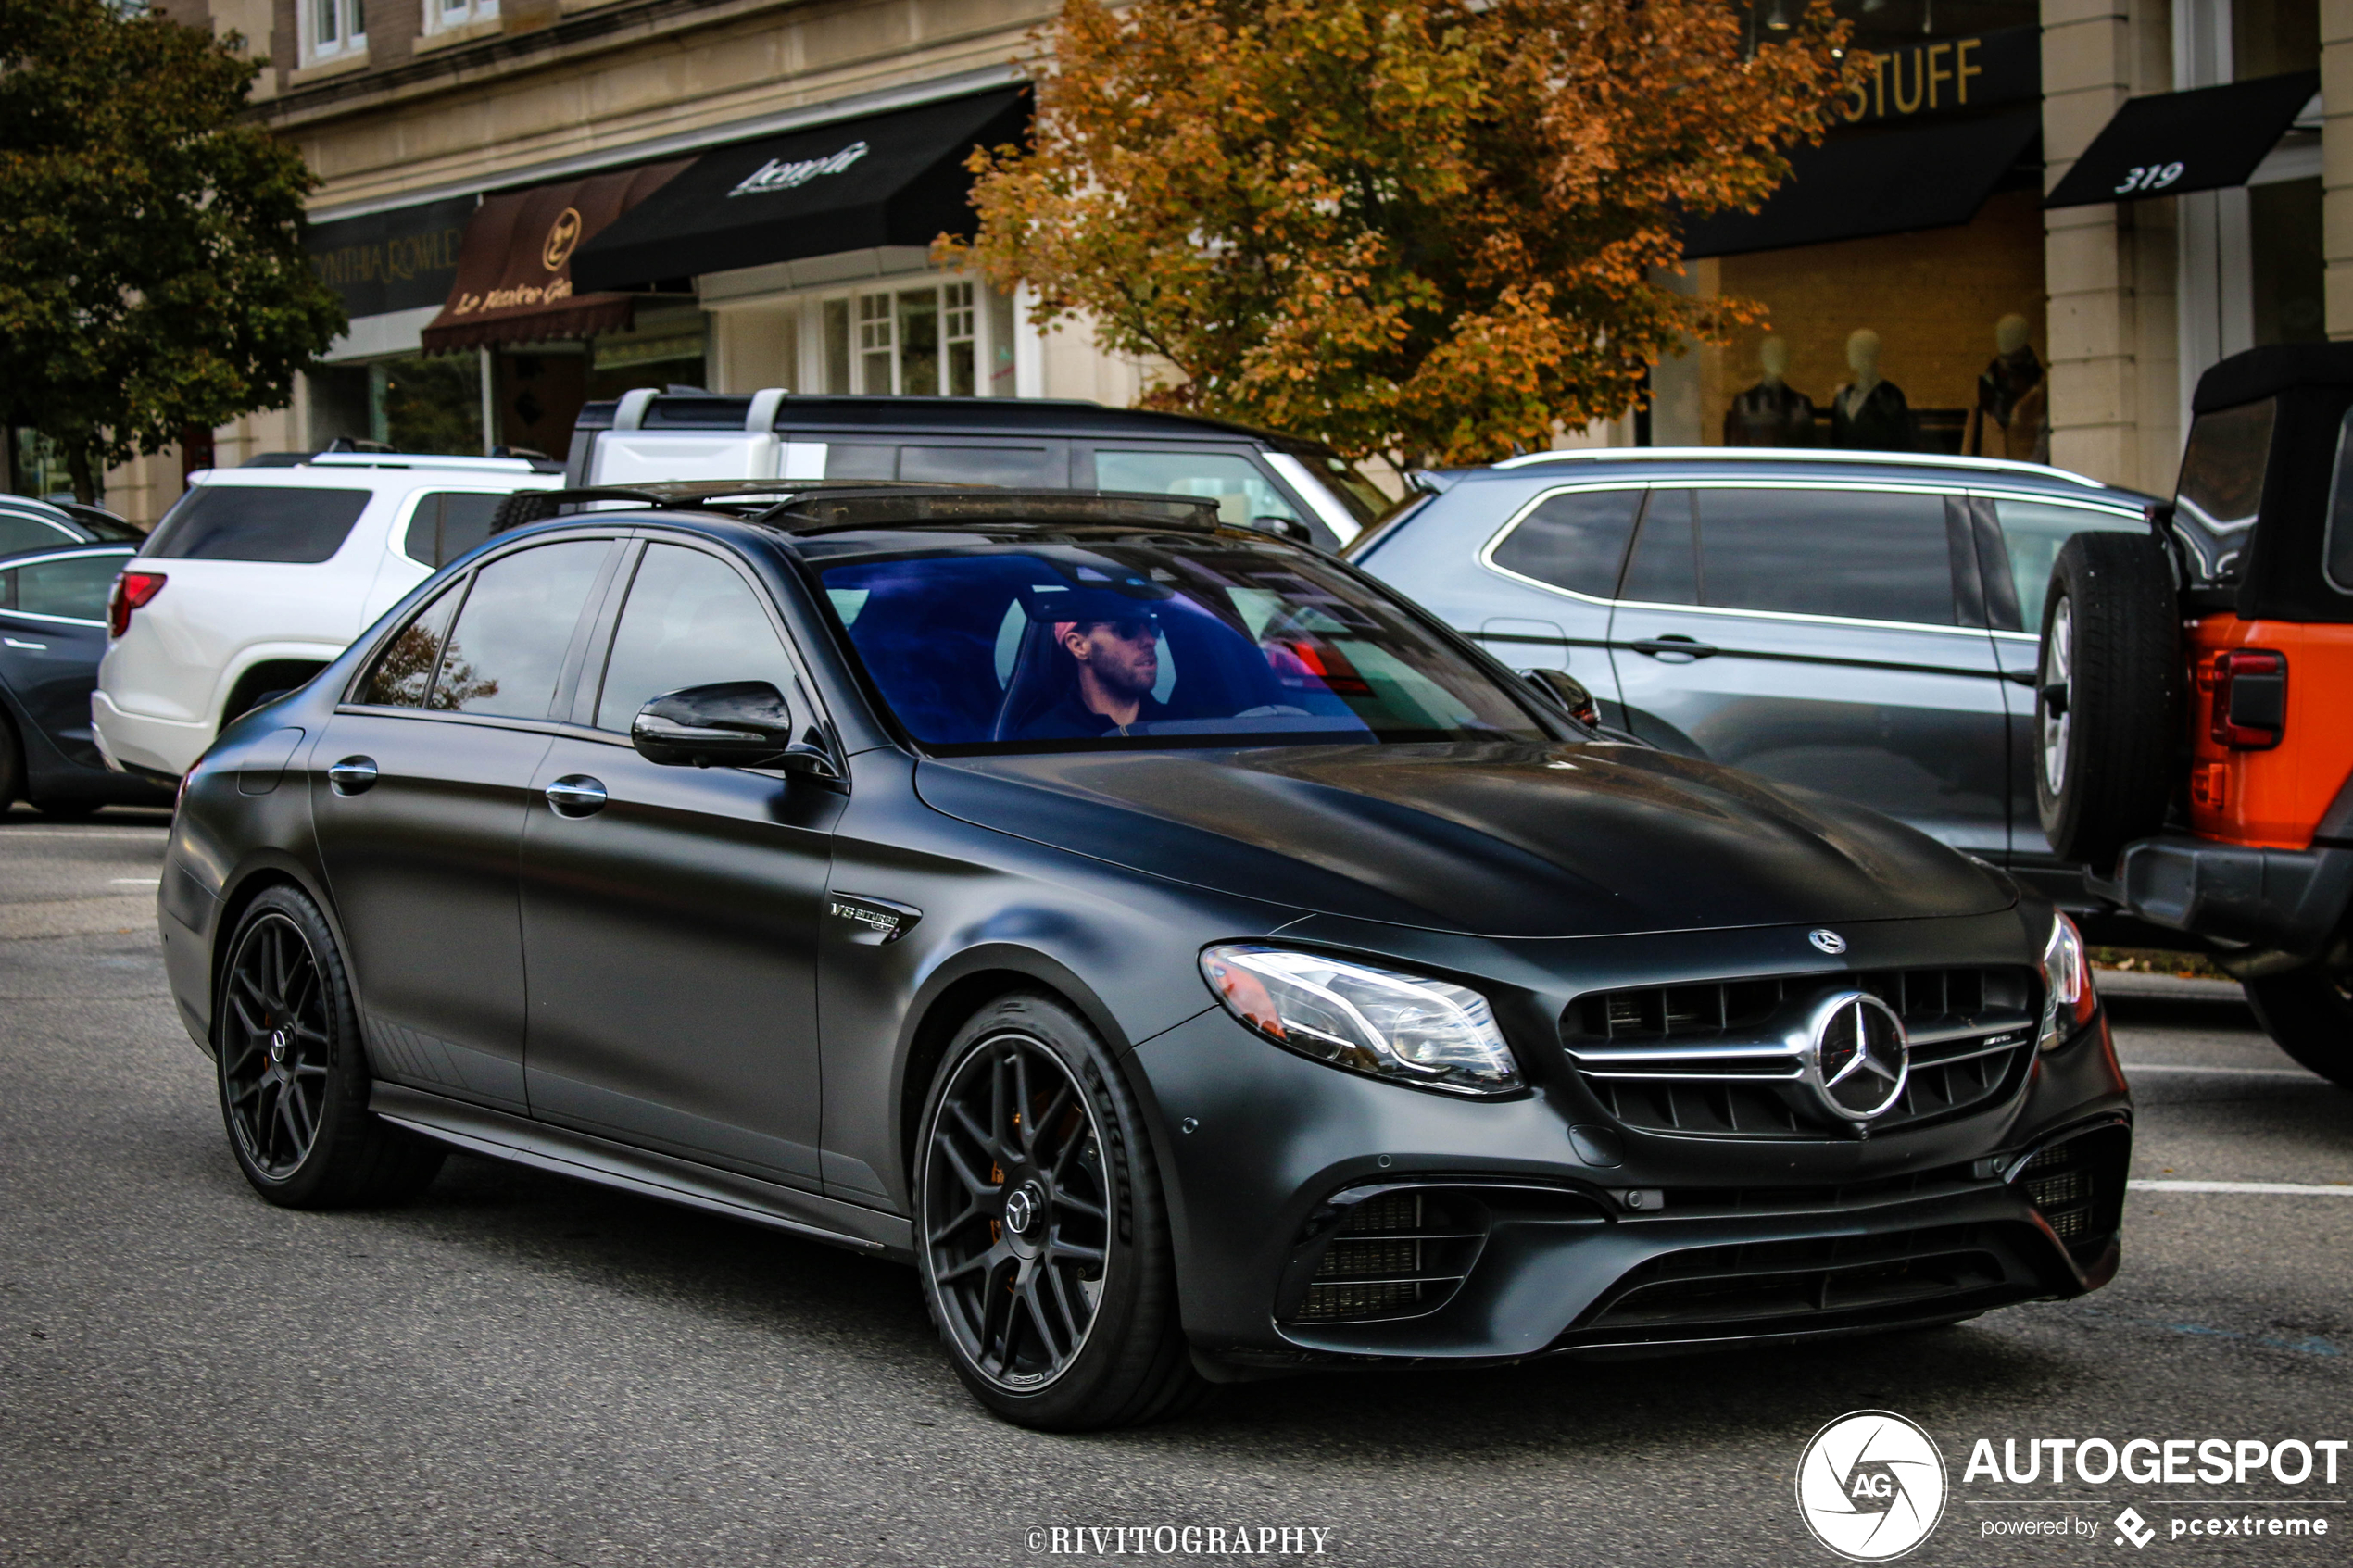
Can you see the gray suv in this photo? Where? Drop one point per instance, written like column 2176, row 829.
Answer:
column 1861, row 623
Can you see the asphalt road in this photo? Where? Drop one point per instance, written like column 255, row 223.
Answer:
column 522, row 1370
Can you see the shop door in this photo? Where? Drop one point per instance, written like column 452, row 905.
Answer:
column 1816, row 636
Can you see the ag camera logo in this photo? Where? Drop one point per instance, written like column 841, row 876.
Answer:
column 1871, row 1486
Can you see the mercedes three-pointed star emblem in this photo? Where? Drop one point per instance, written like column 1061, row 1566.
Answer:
column 1858, row 1056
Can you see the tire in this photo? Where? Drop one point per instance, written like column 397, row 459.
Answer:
column 291, row 1075
column 2309, row 1014
column 1038, row 1206
column 2107, row 696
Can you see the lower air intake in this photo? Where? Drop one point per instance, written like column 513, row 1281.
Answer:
column 1396, row 1254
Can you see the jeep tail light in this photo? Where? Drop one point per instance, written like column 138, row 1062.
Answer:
column 2248, row 688
column 132, row 589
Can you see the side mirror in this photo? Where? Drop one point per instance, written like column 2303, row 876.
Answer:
column 1565, row 691
column 731, row 724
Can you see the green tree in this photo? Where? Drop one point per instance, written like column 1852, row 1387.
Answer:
column 152, row 275
column 1409, row 227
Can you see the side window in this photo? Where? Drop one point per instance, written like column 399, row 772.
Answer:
column 74, row 589
column 1027, row 467
column 2032, row 534
column 507, row 647
column 1664, row 569
column 402, row 675
column 2336, row 551
column 2221, row 486
column 1234, row 482
column 849, row 461
column 1575, row 540
column 18, row 532
column 447, row 525
column 689, row 621
column 1862, row 555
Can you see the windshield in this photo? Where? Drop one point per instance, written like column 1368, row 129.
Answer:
column 1150, row 641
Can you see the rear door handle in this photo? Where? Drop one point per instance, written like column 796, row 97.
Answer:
column 353, row 775
column 576, row 795
column 1671, row 645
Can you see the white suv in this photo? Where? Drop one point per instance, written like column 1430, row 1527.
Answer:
column 259, row 576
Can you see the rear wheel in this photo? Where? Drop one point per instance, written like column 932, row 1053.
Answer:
column 2106, row 696
column 293, row 1081
column 2309, row 1014
column 1040, row 1231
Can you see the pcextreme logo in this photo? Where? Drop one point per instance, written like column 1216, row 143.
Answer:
column 1871, row 1486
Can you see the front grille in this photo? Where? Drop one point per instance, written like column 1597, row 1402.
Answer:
column 1398, row 1254
column 1815, row 1278
column 2078, row 1187
column 1720, row 1058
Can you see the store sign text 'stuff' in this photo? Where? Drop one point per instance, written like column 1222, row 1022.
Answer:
column 1952, row 74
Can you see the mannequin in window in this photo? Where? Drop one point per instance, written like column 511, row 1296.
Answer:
column 1771, row 413
column 2012, row 399
column 1869, row 412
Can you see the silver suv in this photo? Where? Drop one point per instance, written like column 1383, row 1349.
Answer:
column 1861, row 623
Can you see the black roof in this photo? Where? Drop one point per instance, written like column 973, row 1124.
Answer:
column 2262, row 372
column 1033, row 416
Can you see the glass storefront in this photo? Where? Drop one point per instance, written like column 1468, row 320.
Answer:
column 923, row 336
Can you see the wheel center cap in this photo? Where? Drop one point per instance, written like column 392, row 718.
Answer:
column 276, row 1047
column 1023, row 1206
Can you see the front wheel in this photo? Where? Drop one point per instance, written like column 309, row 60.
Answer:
column 2309, row 1014
column 293, row 1080
column 1040, row 1231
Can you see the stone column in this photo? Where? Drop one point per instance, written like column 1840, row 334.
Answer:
column 2336, row 163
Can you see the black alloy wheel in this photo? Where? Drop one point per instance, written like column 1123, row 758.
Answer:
column 293, row 1081
column 1039, row 1228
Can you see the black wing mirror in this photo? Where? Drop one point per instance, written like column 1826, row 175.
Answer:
column 1565, row 691
column 731, row 724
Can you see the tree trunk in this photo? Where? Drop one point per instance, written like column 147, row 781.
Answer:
column 85, row 483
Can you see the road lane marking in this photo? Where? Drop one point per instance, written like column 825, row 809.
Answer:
column 2292, row 1188
column 2224, row 1071
column 136, row 881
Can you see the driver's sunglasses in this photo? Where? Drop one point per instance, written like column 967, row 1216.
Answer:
column 1135, row 629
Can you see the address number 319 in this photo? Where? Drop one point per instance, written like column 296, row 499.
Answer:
column 2154, row 177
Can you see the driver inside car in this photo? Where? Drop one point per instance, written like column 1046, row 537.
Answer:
column 1112, row 667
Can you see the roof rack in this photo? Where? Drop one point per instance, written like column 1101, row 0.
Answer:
column 812, row 506
column 331, row 459
column 1797, row 455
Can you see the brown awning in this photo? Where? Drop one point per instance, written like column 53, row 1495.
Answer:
column 514, row 266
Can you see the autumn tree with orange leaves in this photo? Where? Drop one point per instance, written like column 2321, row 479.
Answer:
column 1419, row 228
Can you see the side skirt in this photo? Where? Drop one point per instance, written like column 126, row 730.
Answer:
column 480, row 1130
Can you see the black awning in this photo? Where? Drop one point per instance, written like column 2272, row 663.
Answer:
column 1877, row 182
column 896, row 179
column 2206, row 139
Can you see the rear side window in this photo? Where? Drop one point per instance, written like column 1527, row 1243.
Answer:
column 1026, row 468
column 256, row 523
column 1575, row 540
column 1665, row 566
column 2032, row 534
column 402, row 675
column 2337, row 552
column 18, row 532
column 447, row 523
column 1241, row 491
column 1858, row 554
column 507, row 647
column 74, row 589
column 2222, row 487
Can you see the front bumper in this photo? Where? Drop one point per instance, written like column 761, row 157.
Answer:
column 1492, row 1235
column 2287, row 900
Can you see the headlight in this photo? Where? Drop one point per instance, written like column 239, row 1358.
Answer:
column 2068, row 1000
column 1377, row 1020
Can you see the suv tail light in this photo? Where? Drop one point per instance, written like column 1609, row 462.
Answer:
column 132, row 589
column 2249, row 690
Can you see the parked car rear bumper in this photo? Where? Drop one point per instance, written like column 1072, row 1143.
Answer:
column 134, row 743
column 2285, row 900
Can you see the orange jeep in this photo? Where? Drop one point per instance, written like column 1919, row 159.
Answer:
column 2194, row 703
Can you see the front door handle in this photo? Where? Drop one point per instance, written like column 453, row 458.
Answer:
column 576, row 795
column 1674, row 647
column 353, row 775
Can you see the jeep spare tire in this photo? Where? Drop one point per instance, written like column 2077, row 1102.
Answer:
column 2106, row 692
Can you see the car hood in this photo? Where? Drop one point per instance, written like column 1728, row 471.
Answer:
column 1497, row 839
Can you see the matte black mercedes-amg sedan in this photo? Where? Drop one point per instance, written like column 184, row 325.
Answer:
column 1197, row 960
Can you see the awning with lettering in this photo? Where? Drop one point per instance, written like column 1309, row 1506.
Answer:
column 896, row 179
column 514, row 279
column 1865, row 183
column 2205, row 139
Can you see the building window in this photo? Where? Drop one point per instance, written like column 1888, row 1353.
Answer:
column 337, row 29
column 917, row 336
column 443, row 15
